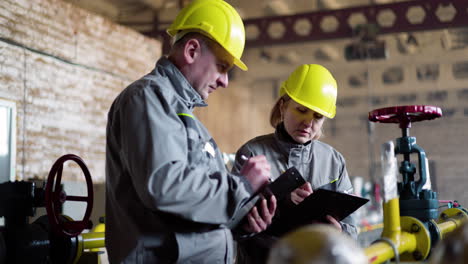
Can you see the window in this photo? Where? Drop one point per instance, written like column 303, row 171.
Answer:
column 437, row 96
column 460, row 70
column 358, row 80
column 7, row 140
column 427, row 72
column 393, row 75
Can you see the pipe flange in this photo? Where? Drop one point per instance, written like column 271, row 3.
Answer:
column 451, row 213
column 423, row 239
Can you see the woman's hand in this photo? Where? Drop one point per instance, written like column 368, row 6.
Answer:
column 259, row 221
column 298, row 195
column 334, row 222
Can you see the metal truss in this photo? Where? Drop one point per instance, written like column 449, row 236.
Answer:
column 406, row 16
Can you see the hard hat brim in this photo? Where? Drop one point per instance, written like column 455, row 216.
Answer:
column 331, row 114
column 240, row 64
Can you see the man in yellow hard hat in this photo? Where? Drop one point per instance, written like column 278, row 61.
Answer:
column 169, row 197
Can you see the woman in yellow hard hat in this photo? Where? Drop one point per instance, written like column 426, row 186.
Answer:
column 306, row 99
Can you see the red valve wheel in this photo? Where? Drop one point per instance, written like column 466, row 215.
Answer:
column 55, row 198
column 404, row 115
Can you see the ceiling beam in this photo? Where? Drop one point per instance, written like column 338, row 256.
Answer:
column 375, row 14
column 391, row 18
column 154, row 4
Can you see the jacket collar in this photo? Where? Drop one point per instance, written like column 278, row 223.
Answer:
column 286, row 141
column 183, row 89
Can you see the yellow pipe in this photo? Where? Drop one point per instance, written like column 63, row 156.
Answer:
column 403, row 241
column 392, row 226
column 449, row 226
column 99, row 228
column 409, row 236
column 450, row 219
column 382, row 251
column 93, row 240
column 379, row 252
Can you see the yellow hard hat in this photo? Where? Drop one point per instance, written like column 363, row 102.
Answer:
column 312, row 86
column 318, row 244
column 217, row 20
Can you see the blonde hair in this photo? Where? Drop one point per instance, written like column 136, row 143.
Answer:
column 275, row 114
column 276, row 118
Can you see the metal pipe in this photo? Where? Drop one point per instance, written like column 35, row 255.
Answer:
column 392, row 226
column 382, row 251
column 394, row 242
column 450, row 219
column 449, row 226
column 93, row 240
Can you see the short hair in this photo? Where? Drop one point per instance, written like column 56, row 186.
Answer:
column 205, row 41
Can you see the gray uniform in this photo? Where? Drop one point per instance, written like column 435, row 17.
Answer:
column 318, row 163
column 168, row 194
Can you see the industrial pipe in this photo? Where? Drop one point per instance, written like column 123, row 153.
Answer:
column 393, row 242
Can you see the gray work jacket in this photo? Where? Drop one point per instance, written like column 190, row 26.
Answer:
column 168, row 193
column 318, row 163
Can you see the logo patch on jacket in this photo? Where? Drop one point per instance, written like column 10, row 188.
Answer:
column 209, row 148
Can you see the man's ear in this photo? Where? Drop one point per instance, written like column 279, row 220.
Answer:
column 192, row 50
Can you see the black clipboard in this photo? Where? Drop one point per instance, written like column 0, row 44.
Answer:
column 287, row 182
column 315, row 207
column 324, row 202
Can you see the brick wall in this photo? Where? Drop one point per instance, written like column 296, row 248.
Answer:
column 63, row 67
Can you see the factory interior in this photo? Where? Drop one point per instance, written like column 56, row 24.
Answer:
column 401, row 68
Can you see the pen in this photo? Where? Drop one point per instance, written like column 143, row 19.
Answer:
column 244, row 158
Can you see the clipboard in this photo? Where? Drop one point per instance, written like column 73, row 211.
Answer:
column 324, row 202
column 315, row 207
column 287, row 182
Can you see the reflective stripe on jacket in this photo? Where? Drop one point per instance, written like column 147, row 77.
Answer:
column 168, row 193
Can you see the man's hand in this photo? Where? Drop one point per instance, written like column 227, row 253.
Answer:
column 257, row 171
column 298, row 195
column 258, row 222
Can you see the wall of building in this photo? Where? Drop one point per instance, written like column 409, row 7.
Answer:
column 63, row 66
column 433, row 73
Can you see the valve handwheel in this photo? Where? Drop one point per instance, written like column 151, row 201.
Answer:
column 404, row 115
column 55, row 197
